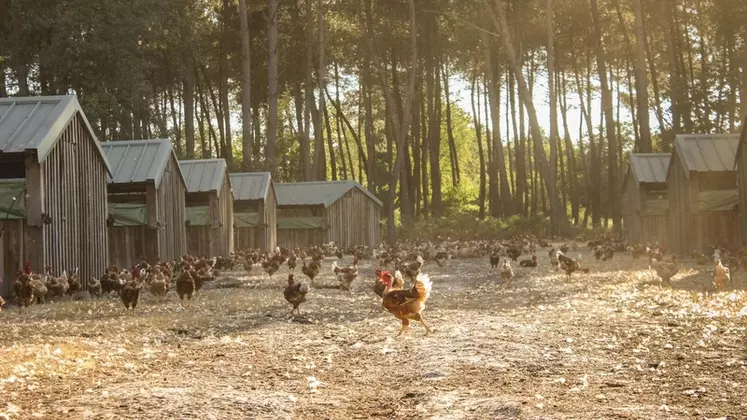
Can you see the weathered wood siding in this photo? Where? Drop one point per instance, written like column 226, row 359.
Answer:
column 291, row 238
column 354, row 220
column 742, row 184
column 271, row 219
column 11, row 253
column 682, row 191
column 265, row 236
column 631, row 210
column 127, row 244
column 715, row 228
column 71, row 183
column 172, row 213
column 216, row 239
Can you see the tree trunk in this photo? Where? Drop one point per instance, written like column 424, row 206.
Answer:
column 228, row 144
column 478, row 135
column 320, row 158
column 309, row 89
column 246, row 84
column 22, row 75
column 189, row 112
column 641, row 80
column 332, row 160
column 434, row 122
column 272, row 85
column 454, row 157
column 553, row 97
column 338, row 126
column 3, row 86
column 613, row 187
column 558, row 216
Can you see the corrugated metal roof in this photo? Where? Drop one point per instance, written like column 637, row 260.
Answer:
column 707, row 152
column 650, row 167
column 36, row 122
column 139, row 160
column 203, row 175
column 316, row 193
column 250, row 185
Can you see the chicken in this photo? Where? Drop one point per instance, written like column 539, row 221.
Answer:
column 397, row 282
column 554, row 262
column 721, row 276
column 94, row 287
column 495, row 259
column 57, row 286
column 295, row 293
column 271, row 267
column 412, row 269
column 111, row 282
column 665, row 271
column 638, row 251
column 311, row 270
column 23, row 290
column 700, row 258
column 408, row 304
column 201, row 277
column 529, row 263
column 507, row 273
column 40, row 288
column 185, row 285
column 292, row 261
column 570, row 265
column 130, row 294
column 158, row 285
column 513, row 252
column 346, row 275
column 73, row 281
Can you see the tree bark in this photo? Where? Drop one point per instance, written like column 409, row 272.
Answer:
column 320, row 158
column 189, row 111
column 553, row 97
column 613, row 187
column 641, row 80
column 332, row 159
column 454, row 156
column 228, row 144
column 558, row 216
column 246, row 84
column 478, row 136
column 272, row 85
column 309, row 90
column 338, row 126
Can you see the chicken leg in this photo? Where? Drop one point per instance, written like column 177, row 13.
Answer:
column 405, row 325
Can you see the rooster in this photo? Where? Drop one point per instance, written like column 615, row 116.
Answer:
column 570, row 265
column 507, row 273
column 721, row 276
column 408, row 304
column 346, row 275
column 397, row 282
column 665, row 270
column 295, row 293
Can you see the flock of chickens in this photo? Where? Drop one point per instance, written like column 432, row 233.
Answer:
column 405, row 301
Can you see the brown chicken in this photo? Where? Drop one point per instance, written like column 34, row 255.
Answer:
column 665, row 271
column 94, row 287
column 130, row 294
column 23, row 290
column 397, row 283
column 311, row 270
column 271, row 267
column 185, row 285
column 570, row 265
column 721, row 276
column 295, row 293
column 158, row 285
column 408, row 304
column 495, row 259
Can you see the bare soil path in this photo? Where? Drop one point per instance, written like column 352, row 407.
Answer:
column 612, row 344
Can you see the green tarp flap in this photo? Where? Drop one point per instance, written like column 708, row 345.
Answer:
column 719, row 200
column 128, row 214
column 198, row 215
column 657, row 206
column 8, row 209
column 245, row 220
column 302, row 223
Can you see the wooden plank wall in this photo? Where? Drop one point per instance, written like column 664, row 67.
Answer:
column 631, row 206
column 678, row 186
column 126, row 245
column 11, row 253
column 200, row 241
column 271, row 218
column 291, row 238
column 225, row 200
column 354, row 220
column 248, row 238
column 716, row 228
column 742, row 185
column 74, row 183
column 172, row 213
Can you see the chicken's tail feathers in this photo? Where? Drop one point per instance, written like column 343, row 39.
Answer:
column 398, row 276
column 423, row 285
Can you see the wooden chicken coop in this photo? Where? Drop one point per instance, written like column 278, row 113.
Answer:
column 209, row 206
column 740, row 164
column 146, row 202
column 313, row 213
column 53, row 176
column 645, row 201
column 703, row 196
column 254, row 211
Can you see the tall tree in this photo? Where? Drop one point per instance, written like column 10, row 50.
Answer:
column 320, row 161
column 246, row 85
column 272, row 85
column 641, row 80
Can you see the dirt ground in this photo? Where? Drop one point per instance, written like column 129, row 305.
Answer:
column 612, row 344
